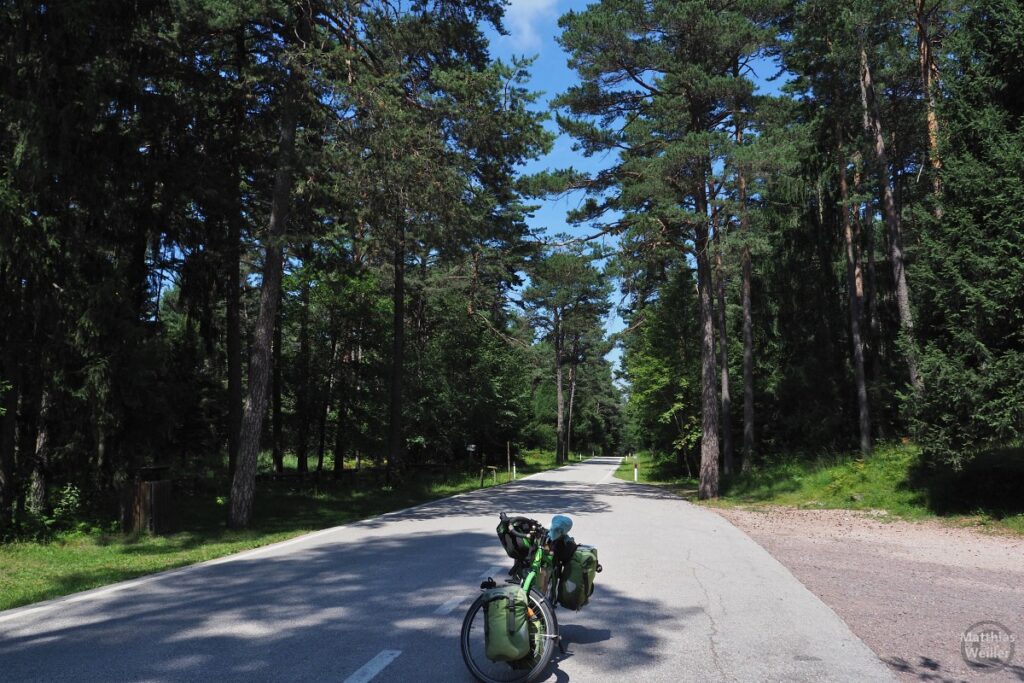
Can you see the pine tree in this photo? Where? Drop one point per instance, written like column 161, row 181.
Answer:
column 659, row 84
column 567, row 297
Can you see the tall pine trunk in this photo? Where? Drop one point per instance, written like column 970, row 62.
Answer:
column 9, row 403
column 324, row 407
column 303, row 403
column 867, row 230
column 30, row 408
column 873, row 125
column 709, row 451
column 855, row 286
column 745, row 274
column 339, row 441
column 243, row 485
column 233, row 341
column 929, row 76
column 341, row 402
column 559, row 398
column 748, row 365
column 39, row 488
column 723, row 353
column 395, row 437
column 572, row 394
column 276, row 416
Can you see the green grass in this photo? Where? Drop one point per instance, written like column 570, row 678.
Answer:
column 71, row 562
column 892, row 479
column 880, row 482
column 657, row 469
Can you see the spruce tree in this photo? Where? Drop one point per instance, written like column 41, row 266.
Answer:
column 971, row 263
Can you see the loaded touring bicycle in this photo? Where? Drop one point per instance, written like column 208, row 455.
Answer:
column 510, row 631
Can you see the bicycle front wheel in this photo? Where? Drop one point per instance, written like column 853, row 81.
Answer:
column 543, row 634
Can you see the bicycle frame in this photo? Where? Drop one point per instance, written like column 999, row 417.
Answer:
column 541, row 558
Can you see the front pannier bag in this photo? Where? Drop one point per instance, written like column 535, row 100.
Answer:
column 577, row 580
column 505, row 633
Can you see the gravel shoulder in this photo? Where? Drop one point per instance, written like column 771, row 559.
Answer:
column 907, row 589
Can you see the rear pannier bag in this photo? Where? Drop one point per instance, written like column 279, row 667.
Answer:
column 577, row 579
column 505, row 632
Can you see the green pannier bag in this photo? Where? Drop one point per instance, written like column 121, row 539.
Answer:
column 505, row 633
column 576, row 583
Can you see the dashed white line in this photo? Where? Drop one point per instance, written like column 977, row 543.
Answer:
column 612, row 471
column 367, row 672
column 450, row 605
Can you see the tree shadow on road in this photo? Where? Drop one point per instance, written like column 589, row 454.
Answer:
column 315, row 613
column 933, row 671
column 535, row 497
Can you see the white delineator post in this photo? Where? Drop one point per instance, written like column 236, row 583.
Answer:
column 636, row 470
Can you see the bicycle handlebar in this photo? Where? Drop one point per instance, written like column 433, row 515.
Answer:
column 515, row 532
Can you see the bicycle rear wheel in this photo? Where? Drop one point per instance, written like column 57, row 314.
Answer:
column 543, row 634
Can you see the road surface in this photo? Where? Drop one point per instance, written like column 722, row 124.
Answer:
column 684, row 596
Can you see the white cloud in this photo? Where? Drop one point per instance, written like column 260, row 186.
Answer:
column 524, row 20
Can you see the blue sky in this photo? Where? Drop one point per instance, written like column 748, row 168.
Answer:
column 533, row 27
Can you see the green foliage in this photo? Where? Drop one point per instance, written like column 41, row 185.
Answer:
column 141, row 155
column 971, row 263
column 662, row 365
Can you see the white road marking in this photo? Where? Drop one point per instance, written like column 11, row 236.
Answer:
column 450, row 605
column 373, row 667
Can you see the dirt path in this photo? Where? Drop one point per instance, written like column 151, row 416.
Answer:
column 907, row 589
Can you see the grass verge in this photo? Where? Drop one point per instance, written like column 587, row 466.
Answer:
column 72, row 562
column 892, row 479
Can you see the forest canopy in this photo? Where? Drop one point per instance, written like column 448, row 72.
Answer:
column 243, row 238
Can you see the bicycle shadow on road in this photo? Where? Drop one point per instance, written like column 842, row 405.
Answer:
column 574, row 634
column 618, row 635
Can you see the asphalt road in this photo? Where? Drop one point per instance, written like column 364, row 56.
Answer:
column 684, row 596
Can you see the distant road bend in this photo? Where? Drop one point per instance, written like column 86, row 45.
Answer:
column 684, row 596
